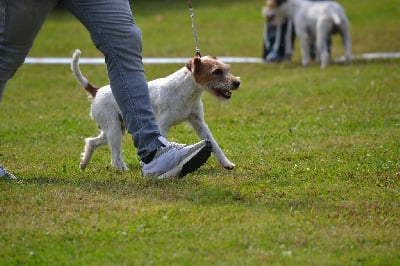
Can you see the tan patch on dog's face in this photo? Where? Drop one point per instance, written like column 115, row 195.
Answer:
column 272, row 11
column 271, row 4
column 214, row 76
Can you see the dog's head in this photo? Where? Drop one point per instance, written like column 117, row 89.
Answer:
column 213, row 76
column 271, row 11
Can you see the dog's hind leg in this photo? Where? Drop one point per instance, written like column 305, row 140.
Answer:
column 114, row 138
column 91, row 144
column 322, row 40
column 305, row 49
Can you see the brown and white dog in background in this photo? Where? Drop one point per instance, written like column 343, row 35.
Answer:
column 314, row 22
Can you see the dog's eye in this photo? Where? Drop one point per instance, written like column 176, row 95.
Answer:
column 218, row 72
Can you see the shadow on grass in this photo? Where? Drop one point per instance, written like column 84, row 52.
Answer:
column 193, row 189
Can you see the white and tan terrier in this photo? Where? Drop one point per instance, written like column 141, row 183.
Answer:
column 174, row 99
column 314, row 22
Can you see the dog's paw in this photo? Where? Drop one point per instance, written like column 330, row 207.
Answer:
column 228, row 165
column 82, row 166
column 124, row 169
column 120, row 165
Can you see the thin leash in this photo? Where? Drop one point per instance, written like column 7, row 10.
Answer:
column 194, row 29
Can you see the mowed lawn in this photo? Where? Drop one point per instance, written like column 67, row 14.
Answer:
column 317, row 153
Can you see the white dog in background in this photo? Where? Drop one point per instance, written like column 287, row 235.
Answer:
column 314, row 22
column 174, row 99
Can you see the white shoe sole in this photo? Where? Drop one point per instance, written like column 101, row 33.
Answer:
column 190, row 163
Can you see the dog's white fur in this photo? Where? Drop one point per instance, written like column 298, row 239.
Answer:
column 315, row 22
column 174, row 99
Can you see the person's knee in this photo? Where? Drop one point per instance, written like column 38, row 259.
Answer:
column 9, row 63
column 127, row 41
column 135, row 38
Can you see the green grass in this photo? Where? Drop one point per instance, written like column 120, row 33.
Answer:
column 317, row 180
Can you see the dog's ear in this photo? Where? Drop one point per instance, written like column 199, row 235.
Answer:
column 189, row 65
column 193, row 64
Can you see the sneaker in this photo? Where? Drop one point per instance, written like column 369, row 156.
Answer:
column 5, row 174
column 174, row 159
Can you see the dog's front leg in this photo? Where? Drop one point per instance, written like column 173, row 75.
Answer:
column 305, row 50
column 288, row 40
column 304, row 38
column 201, row 128
column 345, row 34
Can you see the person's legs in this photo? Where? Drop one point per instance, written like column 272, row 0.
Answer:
column 20, row 21
column 116, row 35
column 268, row 39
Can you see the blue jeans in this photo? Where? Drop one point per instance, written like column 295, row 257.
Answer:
column 115, row 34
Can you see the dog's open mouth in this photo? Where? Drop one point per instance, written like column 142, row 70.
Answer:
column 222, row 90
column 224, row 93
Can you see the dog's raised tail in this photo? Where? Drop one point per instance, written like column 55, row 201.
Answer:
column 92, row 90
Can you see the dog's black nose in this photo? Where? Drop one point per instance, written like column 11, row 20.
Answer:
column 236, row 84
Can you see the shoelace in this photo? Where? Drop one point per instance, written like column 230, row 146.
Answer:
column 175, row 145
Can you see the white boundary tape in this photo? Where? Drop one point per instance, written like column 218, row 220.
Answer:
column 370, row 56
column 182, row 60
column 152, row 60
